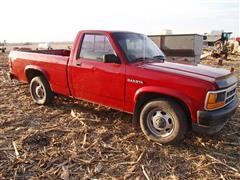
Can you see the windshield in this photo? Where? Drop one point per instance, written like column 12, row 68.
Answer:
column 138, row 47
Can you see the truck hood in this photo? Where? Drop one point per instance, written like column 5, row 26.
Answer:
column 197, row 71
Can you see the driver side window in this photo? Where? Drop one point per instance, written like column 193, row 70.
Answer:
column 95, row 46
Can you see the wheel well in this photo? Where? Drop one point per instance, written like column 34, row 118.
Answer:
column 146, row 97
column 31, row 73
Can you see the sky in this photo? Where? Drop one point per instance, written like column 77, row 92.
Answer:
column 60, row 20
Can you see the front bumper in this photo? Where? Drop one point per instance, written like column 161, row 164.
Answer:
column 211, row 122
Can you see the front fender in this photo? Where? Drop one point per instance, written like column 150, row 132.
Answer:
column 168, row 92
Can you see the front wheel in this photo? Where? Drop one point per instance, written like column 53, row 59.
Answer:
column 40, row 91
column 163, row 121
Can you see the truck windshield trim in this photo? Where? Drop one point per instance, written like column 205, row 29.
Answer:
column 138, row 47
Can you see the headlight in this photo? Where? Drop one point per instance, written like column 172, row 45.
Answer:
column 220, row 98
column 215, row 100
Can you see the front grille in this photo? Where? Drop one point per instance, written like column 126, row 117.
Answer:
column 230, row 94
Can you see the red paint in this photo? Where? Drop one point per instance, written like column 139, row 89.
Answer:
column 108, row 84
column 238, row 39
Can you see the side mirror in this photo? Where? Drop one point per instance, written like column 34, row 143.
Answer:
column 111, row 58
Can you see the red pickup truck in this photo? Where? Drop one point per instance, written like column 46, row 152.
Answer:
column 128, row 72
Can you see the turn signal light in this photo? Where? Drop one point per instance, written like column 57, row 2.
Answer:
column 215, row 100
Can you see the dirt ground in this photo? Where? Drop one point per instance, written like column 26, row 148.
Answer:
column 72, row 139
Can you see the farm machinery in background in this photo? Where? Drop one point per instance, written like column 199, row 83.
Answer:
column 182, row 48
column 220, row 43
column 191, row 48
column 3, row 46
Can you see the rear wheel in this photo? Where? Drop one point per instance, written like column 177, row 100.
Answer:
column 163, row 121
column 40, row 91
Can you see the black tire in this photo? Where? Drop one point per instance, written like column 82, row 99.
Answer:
column 40, row 91
column 169, row 123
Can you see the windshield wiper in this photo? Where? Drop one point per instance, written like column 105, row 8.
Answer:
column 142, row 59
column 160, row 57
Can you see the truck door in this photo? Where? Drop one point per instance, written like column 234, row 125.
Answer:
column 94, row 80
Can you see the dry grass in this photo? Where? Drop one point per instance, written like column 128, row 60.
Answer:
column 71, row 139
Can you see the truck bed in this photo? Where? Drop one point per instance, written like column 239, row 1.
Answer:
column 53, row 64
column 58, row 52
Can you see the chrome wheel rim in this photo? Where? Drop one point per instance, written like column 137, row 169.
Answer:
column 38, row 91
column 160, row 123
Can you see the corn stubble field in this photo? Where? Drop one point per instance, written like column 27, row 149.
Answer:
column 72, row 139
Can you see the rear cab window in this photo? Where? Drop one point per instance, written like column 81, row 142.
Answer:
column 95, row 46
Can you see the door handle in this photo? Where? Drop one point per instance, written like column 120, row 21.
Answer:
column 78, row 63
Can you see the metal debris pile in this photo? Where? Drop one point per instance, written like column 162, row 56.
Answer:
column 72, row 139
